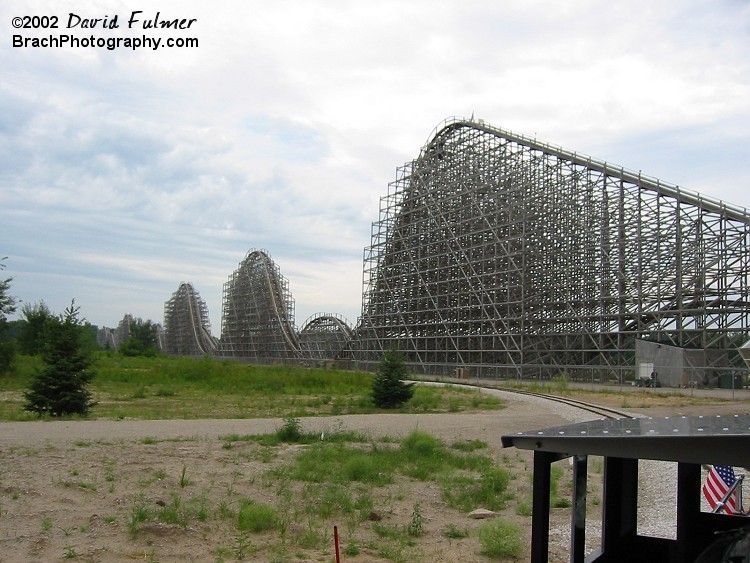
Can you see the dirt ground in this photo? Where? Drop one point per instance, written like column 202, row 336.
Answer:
column 82, row 490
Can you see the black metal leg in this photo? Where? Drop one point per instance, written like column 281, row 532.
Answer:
column 578, row 518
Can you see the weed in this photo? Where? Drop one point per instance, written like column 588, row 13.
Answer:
column 172, row 513
column 46, row 524
column 452, row 531
column 291, row 431
column 70, row 552
column 224, row 511
column 364, row 506
column 352, row 548
column 109, row 471
column 184, row 481
column 148, row 440
column 555, row 500
column 501, row 538
column 110, row 519
column 221, row 553
column 523, row 508
column 597, row 464
column 243, row 547
column 415, row 528
column 312, row 538
column 138, row 514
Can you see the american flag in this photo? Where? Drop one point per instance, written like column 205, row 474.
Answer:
column 720, row 479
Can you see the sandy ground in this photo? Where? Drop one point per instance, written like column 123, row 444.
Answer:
column 75, row 490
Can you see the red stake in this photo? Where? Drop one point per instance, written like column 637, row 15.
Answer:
column 336, row 541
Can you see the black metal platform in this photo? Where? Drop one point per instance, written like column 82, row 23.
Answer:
column 688, row 441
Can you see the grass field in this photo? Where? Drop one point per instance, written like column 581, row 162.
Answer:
column 180, row 388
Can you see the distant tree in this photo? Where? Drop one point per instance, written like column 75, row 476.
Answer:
column 7, row 307
column 143, row 339
column 60, row 388
column 31, row 328
column 389, row 390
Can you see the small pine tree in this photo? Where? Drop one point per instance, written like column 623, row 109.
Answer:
column 389, row 391
column 60, row 388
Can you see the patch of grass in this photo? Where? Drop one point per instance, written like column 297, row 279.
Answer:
column 313, row 537
column 488, row 490
column 361, row 467
column 501, row 538
column 325, row 501
column 469, row 445
column 177, row 388
column 256, row 517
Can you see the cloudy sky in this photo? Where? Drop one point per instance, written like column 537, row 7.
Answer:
column 125, row 172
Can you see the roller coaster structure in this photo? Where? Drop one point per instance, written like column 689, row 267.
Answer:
column 258, row 319
column 516, row 258
column 187, row 328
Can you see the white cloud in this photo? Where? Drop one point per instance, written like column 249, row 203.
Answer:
column 123, row 173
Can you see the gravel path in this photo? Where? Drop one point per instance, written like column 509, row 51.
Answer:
column 523, row 413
